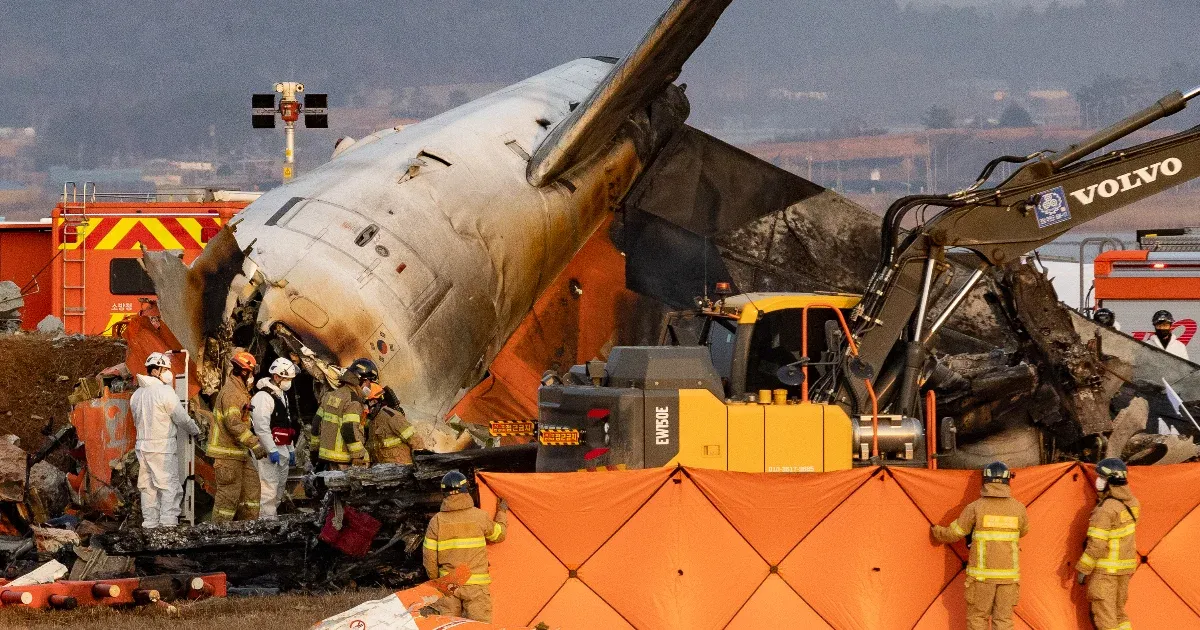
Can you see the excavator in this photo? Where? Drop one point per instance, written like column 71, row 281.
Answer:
column 820, row 382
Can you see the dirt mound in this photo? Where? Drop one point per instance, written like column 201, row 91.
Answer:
column 38, row 372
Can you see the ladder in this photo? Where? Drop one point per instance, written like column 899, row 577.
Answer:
column 74, row 259
column 186, row 443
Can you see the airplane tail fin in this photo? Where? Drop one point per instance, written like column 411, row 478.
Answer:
column 633, row 82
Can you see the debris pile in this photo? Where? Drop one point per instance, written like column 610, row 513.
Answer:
column 297, row 552
column 38, row 374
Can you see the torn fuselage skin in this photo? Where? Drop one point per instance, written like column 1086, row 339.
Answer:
column 423, row 249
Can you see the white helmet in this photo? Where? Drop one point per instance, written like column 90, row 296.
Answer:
column 283, row 368
column 157, row 360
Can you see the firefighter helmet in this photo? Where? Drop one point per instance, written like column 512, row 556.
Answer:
column 157, row 360
column 1114, row 471
column 997, row 472
column 1104, row 317
column 364, row 369
column 453, row 482
column 283, row 368
column 1162, row 317
column 244, row 360
column 550, row 378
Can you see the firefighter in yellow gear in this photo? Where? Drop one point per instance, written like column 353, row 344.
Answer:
column 1111, row 556
column 390, row 437
column 231, row 442
column 459, row 535
column 995, row 522
column 341, row 436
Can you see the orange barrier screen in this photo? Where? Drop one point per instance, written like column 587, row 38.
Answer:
column 694, row 549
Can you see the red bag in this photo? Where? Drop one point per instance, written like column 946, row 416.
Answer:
column 355, row 536
column 283, row 436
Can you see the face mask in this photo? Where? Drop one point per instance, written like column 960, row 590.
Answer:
column 286, row 385
column 249, row 380
column 1163, row 335
column 166, row 377
column 1101, row 484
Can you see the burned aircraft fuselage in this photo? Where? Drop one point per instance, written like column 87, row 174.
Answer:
column 424, row 247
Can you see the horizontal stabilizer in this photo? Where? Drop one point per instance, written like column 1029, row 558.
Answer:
column 698, row 189
column 634, row 82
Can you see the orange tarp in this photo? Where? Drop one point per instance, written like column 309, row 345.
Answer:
column 694, row 549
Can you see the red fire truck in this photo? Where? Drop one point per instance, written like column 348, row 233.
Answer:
column 98, row 278
column 83, row 266
column 25, row 255
column 1163, row 273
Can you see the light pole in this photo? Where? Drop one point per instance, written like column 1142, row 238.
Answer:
column 264, row 110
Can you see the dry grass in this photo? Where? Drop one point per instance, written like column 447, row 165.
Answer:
column 290, row 612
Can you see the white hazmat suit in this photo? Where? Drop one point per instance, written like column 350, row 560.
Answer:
column 1174, row 346
column 157, row 416
column 272, row 478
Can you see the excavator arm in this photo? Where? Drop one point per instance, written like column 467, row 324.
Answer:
column 1044, row 198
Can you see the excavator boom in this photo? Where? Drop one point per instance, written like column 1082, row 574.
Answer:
column 1044, row 199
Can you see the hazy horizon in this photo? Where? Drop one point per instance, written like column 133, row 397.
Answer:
column 104, row 79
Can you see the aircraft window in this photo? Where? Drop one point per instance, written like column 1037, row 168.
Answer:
column 440, row 160
column 721, row 335
column 127, row 277
column 366, row 235
column 518, row 149
column 291, row 203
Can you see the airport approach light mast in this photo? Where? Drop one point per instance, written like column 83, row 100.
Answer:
column 264, row 110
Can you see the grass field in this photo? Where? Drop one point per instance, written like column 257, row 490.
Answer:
column 282, row 612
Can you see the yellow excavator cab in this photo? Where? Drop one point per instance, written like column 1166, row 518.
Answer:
column 747, row 307
column 721, row 404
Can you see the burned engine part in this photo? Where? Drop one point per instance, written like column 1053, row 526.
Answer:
column 1018, row 447
column 1084, row 381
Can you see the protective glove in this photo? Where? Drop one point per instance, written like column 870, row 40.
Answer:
column 273, row 457
column 502, row 506
column 1080, row 578
column 291, row 458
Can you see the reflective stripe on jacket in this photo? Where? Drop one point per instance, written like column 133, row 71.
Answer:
column 391, row 437
column 1111, row 534
column 995, row 522
column 229, row 434
column 341, row 433
column 459, row 534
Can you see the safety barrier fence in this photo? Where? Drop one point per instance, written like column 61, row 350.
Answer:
column 692, row 549
column 67, row 594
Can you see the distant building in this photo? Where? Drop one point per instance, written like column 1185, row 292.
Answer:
column 1053, row 108
column 934, row 161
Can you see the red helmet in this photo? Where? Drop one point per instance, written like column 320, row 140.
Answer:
column 244, row 360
